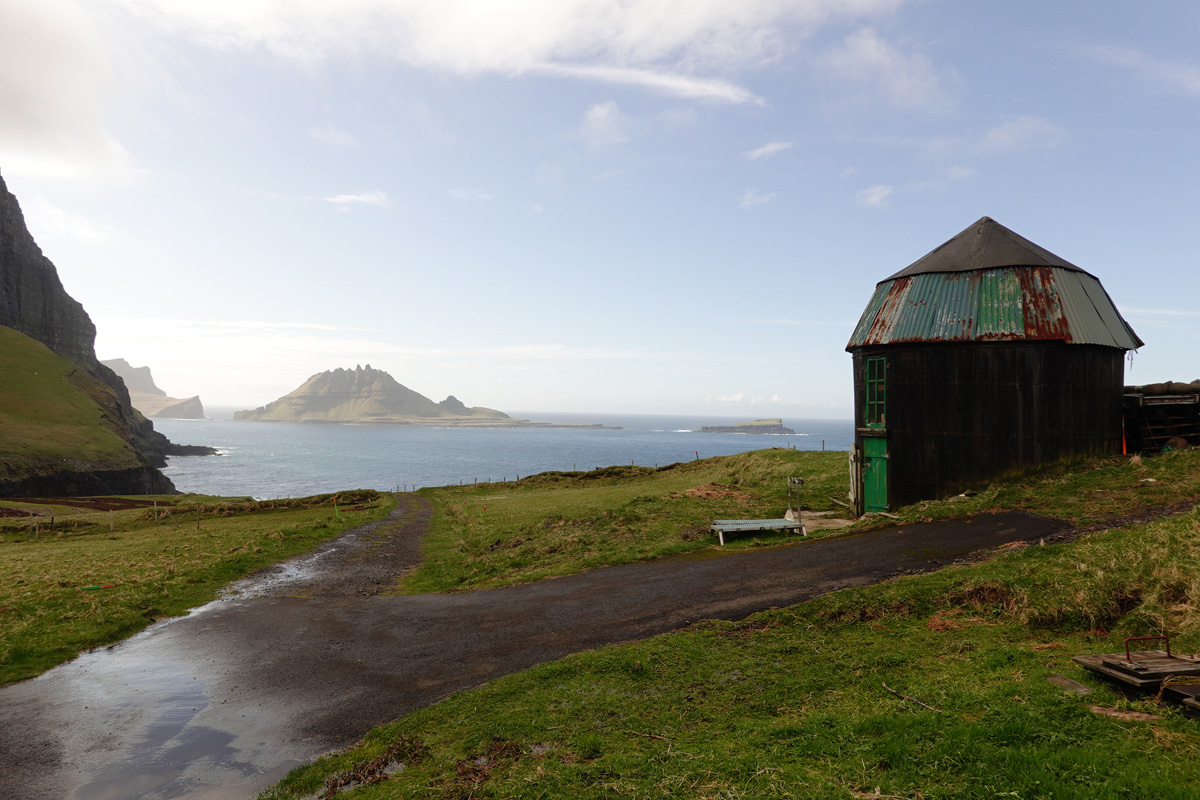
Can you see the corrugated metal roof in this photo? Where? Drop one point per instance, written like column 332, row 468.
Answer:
column 985, row 245
column 1001, row 304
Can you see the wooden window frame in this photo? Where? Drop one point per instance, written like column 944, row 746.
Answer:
column 875, row 386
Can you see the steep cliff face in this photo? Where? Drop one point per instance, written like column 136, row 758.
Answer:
column 32, row 299
column 150, row 400
column 33, row 302
column 366, row 395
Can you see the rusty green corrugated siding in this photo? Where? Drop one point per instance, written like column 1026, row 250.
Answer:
column 1005, row 304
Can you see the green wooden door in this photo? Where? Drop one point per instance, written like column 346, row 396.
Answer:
column 875, row 466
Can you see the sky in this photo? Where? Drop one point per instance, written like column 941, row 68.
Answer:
column 640, row 206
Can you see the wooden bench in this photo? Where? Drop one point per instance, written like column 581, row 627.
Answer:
column 723, row 526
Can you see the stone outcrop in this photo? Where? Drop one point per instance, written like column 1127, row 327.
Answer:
column 34, row 302
column 86, row 481
column 150, row 400
column 368, row 396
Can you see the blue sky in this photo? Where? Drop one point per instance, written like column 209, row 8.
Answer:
column 648, row 206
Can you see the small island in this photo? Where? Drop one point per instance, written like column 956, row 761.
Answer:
column 368, row 396
column 754, row 426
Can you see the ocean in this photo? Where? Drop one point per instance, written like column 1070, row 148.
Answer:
column 266, row 460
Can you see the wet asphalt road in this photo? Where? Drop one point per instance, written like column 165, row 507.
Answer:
column 220, row 704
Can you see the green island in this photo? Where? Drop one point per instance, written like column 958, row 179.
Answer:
column 369, row 396
column 926, row 686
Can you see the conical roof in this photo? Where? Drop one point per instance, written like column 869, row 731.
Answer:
column 985, row 245
column 989, row 284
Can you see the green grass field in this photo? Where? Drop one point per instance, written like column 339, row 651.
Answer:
column 53, row 565
column 496, row 534
column 52, row 411
column 559, row 523
column 926, row 687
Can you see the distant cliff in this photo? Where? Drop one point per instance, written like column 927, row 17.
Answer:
column 151, row 400
column 365, row 395
column 757, row 426
column 34, row 303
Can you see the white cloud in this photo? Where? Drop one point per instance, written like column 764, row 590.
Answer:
column 875, row 196
column 767, row 150
column 743, row 399
column 1171, row 76
column 957, row 173
column 668, row 83
column 46, row 218
column 375, row 198
column 60, row 59
column 673, row 46
column 906, row 80
column 1022, row 133
column 604, row 124
column 471, row 194
column 752, row 198
column 53, row 68
column 333, row 137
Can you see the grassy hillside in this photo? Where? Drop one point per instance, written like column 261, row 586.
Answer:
column 51, row 411
column 930, row 686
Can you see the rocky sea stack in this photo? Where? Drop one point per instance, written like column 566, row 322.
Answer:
column 364, row 395
column 151, row 400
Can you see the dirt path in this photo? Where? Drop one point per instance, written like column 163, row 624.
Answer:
column 220, row 704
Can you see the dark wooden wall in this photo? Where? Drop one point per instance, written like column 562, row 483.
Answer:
column 962, row 415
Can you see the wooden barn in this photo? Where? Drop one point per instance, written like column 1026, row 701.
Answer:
column 983, row 359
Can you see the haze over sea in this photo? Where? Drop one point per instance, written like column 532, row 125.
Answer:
column 279, row 459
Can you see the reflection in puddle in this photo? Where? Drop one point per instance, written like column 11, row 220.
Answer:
column 273, row 579
column 169, row 752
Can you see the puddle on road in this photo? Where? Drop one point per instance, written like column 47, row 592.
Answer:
column 275, row 578
column 138, row 713
column 134, row 706
column 143, row 722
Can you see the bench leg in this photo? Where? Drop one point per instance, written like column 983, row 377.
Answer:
column 721, row 537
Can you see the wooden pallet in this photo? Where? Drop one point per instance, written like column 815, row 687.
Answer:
column 1144, row 669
